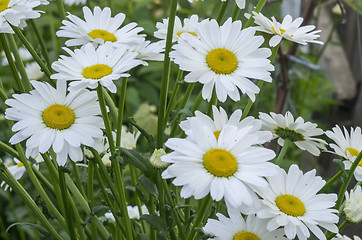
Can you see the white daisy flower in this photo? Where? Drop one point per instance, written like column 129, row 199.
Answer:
column 148, row 51
column 190, row 26
column 347, row 145
column 236, row 228
column 288, row 29
column 291, row 201
column 109, row 215
column 229, row 167
column 23, row 52
column 48, row 117
column 99, row 27
column 224, row 57
column 89, row 66
column 344, row 237
column 239, row 3
column 16, row 12
column 220, row 120
column 33, row 71
column 75, row 2
column 299, row 132
column 133, row 212
column 353, row 206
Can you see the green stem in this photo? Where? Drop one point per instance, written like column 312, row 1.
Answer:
column 77, row 177
column 330, row 235
column 41, row 42
column 11, row 62
column 173, row 96
column 165, row 75
column 112, row 107
column 3, row 95
column 282, row 152
column 19, row 63
column 331, row 181
column 122, row 100
column 222, row 11
column 6, row 148
column 61, row 9
column 345, row 184
column 257, row 9
column 16, row 186
column 68, row 213
column 197, row 102
column 36, row 57
column 235, row 13
column 200, row 216
column 90, row 182
column 213, row 102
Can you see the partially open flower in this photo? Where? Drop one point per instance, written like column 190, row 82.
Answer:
column 353, row 206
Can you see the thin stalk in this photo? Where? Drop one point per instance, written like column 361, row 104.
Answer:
column 90, row 182
column 235, row 13
column 197, row 102
column 173, row 96
column 43, row 179
column 213, row 101
column 16, row 186
column 282, row 152
column 165, row 75
column 257, row 9
column 112, row 107
column 11, row 62
column 200, row 216
column 68, row 212
column 61, row 9
column 222, row 11
column 3, row 95
column 77, row 177
column 41, row 42
column 345, row 184
column 330, row 235
column 36, row 57
column 6, row 148
column 331, row 181
column 19, row 63
column 122, row 100
column 107, row 124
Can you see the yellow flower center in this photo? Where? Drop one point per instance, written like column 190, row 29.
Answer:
column 192, row 33
column 282, row 31
column 220, row 162
column 222, row 61
column 4, row 4
column 217, row 133
column 354, row 152
column 106, row 36
column 245, row 235
column 290, row 205
column 58, row 117
column 20, row 164
column 97, row 71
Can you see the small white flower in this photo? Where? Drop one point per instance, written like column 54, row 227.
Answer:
column 155, row 159
column 33, row 71
column 98, row 28
column 291, row 201
column 288, row 29
column 344, row 237
column 347, row 145
column 229, row 167
column 190, row 26
column 23, row 52
column 48, row 117
column 133, row 212
column 86, row 67
column 299, row 132
column 148, row 51
column 353, row 206
column 236, row 228
column 109, row 215
column 16, row 12
column 224, row 57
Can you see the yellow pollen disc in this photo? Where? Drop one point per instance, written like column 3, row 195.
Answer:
column 354, row 152
column 222, row 61
column 220, row 162
column 217, row 133
column 97, row 71
column 20, row 164
column 292, row 35
column 290, row 205
column 192, row 33
column 58, row 117
column 4, row 4
column 106, row 36
column 245, row 235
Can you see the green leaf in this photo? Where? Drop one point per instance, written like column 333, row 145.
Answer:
column 158, row 223
column 149, row 186
column 40, row 228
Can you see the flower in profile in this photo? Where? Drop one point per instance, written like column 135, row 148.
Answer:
column 16, row 12
column 288, row 29
column 230, row 166
column 134, row 213
column 48, row 117
column 33, row 71
column 352, row 209
column 148, row 51
column 291, row 201
column 155, row 159
column 89, row 66
column 236, row 228
column 347, row 145
column 98, row 28
column 190, row 26
column 344, row 237
column 299, row 132
column 224, row 57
